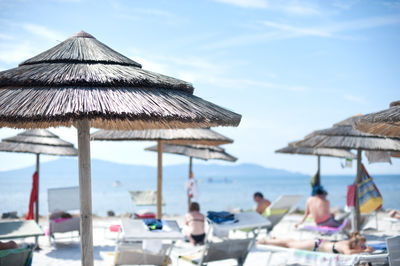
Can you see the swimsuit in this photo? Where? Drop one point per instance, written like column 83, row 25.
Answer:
column 331, row 222
column 317, row 243
column 198, row 239
column 334, row 250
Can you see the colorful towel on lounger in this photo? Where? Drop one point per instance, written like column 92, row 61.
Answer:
column 326, row 229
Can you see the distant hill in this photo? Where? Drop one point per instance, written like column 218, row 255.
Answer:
column 68, row 167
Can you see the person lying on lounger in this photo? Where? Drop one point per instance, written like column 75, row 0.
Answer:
column 8, row 245
column 356, row 244
column 318, row 207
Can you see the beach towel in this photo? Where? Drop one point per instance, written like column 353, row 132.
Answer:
column 368, row 194
column 34, row 196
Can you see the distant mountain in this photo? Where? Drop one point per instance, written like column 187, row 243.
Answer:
column 68, row 167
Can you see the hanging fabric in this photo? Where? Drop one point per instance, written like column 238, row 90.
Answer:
column 34, row 196
column 368, row 194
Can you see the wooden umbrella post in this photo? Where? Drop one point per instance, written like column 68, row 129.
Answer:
column 190, row 172
column 159, row 179
column 356, row 202
column 318, row 181
column 37, row 199
column 85, row 192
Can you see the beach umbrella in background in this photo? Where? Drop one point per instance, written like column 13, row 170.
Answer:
column 202, row 136
column 344, row 136
column 202, row 152
column 38, row 141
column 83, row 83
column 294, row 148
column 384, row 123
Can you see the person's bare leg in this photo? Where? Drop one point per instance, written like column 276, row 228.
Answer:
column 276, row 242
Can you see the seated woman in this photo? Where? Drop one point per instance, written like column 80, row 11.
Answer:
column 194, row 225
column 356, row 244
column 8, row 245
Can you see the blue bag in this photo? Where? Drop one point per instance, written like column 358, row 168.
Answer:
column 220, row 217
column 153, row 224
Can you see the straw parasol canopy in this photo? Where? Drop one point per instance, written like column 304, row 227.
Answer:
column 83, row 82
column 38, row 141
column 296, row 148
column 200, row 136
column 384, row 123
column 204, row 136
column 202, row 152
column 343, row 136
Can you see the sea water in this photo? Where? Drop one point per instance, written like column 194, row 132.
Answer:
column 216, row 192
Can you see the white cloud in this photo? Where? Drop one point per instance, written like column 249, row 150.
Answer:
column 43, row 31
column 17, row 52
column 355, row 99
column 246, row 3
column 6, row 37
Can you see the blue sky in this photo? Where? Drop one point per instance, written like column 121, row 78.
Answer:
column 289, row 67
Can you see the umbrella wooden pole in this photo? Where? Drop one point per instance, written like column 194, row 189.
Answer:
column 190, row 172
column 357, row 203
column 159, row 179
column 318, row 181
column 85, row 193
column 37, row 199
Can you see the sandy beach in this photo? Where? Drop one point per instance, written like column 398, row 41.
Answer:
column 66, row 250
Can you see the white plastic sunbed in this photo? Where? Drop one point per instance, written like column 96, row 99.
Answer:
column 62, row 200
column 313, row 258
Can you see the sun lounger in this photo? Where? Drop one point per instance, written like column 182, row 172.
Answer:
column 280, row 207
column 393, row 247
column 228, row 248
column 14, row 230
column 16, row 257
column 326, row 230
column 131, row 248
column 62, row 200
column 312, row 258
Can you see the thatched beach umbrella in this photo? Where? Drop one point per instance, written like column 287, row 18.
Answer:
column 38, row 141
column 84, row 83
column 384, row 123
column 204, row 136
column 202, row 152
column 293, row 148
column 343, row 136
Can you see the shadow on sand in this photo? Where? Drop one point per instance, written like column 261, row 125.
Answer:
column 72, row 251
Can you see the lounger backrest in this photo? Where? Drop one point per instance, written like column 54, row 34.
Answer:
column 393, row 247
column 286, row 202
column 228, row 249
column 63, row 199
column 144, row 197
column 280, row 207
column 16, row 257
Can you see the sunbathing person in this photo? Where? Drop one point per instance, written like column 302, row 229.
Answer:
column 262, row 203
column 319, row 208
column 8, row 245
column 356, row 244
column 194, row 225
column 394, row 214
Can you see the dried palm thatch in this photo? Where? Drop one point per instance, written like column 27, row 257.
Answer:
column 82, row 78
column 292, row 149
column 83, row 82
column 38, row 141
column 203, row 152
column 204, row 136
column 383, row 123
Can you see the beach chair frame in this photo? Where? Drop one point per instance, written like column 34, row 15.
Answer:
column 60, row 200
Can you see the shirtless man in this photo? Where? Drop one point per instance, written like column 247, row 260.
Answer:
column 262, row 203
column 318, row 207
